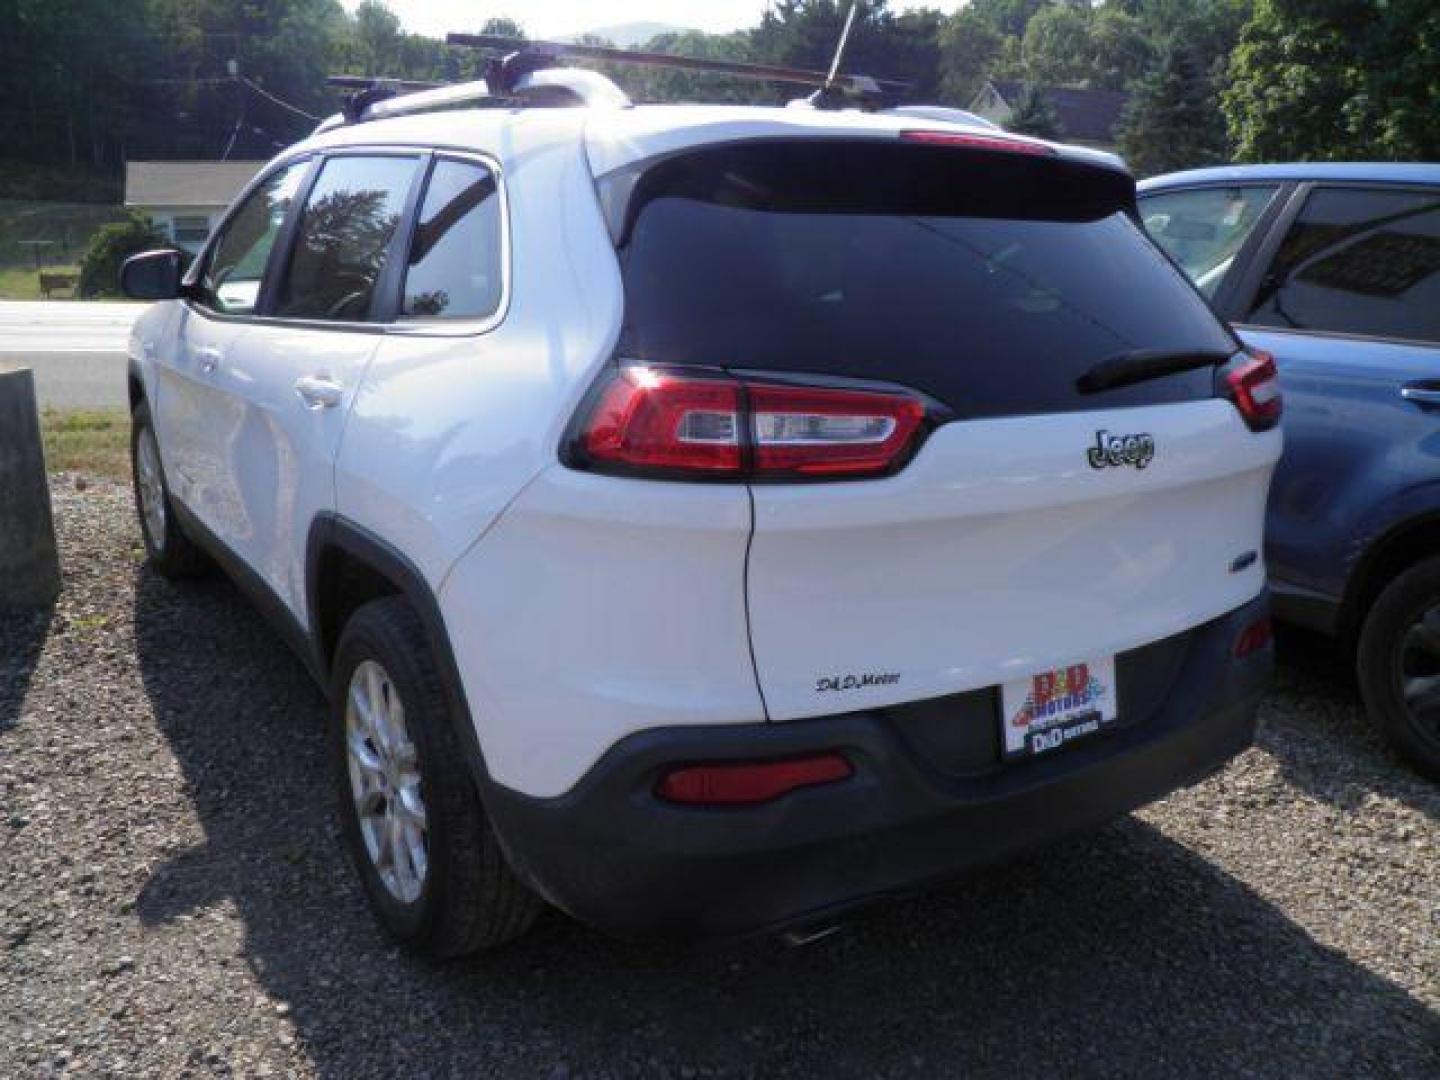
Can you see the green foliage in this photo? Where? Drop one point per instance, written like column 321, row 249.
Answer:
column 1174, row 121
column 110, row 247
column 971, row 50
column 1120, row 49
column 804, row 34
column 1006, row 17
column 1034, row 115
column 1337, row 79
column 1056, row 46
column 88, row 83
column 62, row 229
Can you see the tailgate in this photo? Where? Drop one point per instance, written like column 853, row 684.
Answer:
column 1000, row 551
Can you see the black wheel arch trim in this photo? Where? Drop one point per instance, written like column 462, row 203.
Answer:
column 1367, row 575
column 330, row 531
column 135, row 384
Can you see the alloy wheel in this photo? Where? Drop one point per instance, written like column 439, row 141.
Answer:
column 151, row 488
column 385, row 782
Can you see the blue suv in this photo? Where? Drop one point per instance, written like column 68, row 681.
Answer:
column 1335, row 271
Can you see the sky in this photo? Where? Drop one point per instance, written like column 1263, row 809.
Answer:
column 552, row 18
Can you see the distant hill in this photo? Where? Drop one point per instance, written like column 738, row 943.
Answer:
column 628, row 35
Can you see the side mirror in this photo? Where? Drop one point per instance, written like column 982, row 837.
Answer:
column 152, row 275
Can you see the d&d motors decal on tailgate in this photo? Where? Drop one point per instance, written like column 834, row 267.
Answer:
column 831, row 683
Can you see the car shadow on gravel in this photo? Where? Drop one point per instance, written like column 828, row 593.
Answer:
column 1121, row 953
column 1321, row 737
column 22, row 637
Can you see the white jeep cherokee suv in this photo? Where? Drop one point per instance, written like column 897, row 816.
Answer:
column 705, row 519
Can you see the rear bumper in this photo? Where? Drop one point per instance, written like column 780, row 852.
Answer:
column 613, row 855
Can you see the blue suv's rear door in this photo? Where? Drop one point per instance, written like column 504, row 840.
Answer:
column 1346, row 295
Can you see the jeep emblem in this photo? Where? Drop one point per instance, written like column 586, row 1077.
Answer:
column 1137, row 450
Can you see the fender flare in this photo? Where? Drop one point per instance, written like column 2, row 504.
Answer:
column 330, row 531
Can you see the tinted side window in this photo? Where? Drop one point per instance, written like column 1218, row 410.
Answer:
column 344, row 237
column 231, row 282
column 1203, row 229
column 454, row 269
column 1358, row 262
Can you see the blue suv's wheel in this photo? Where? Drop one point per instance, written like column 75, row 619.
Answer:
column 1399, row 665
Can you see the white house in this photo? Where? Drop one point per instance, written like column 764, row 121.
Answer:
column 186, row 198
column 1088, row 117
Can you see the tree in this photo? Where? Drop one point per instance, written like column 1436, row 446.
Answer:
column 970, row 50
column 1056, row 48
column 1034, row 115
column 502, row 26
column 1120, row 51
column 1006, row 17
column 805, row 33
column 1174, row 120
column 110, row 247
column 1337, row 79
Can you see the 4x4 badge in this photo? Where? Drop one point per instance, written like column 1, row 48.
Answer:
column 1137, row 450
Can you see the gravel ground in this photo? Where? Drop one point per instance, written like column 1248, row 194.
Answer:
column 174, row 902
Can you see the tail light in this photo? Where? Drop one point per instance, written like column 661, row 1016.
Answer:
column 1253, row 384
column 749, row 782
column 1254, row 637
column 650, row 422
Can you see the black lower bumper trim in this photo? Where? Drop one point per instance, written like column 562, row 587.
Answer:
column 613, row 855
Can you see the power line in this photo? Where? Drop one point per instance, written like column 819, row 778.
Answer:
column 283, row 104
column 218, row 80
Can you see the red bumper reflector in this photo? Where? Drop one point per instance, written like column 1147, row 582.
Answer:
column 1254, row 637
column 749, row 782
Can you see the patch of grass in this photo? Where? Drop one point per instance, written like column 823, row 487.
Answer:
column 93, row 441
column 23, row 282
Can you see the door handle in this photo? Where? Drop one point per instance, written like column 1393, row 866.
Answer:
column 318, row 392
column 1426, row 395
column 208, row 359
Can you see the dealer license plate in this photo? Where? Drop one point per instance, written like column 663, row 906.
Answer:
column 1049, row 709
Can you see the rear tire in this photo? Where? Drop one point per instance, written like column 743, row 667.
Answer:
column 432, row 870
column 167, row 548
column 1398, row 665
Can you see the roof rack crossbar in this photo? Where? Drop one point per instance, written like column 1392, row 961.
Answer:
column 522, row 57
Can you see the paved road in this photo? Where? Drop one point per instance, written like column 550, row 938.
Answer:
column 76, row 349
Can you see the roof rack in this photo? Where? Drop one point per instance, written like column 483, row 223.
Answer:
column 517, row 57
column 532, row 73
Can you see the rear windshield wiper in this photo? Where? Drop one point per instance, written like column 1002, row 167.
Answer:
column 1125, row 369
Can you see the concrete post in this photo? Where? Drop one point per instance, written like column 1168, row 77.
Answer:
column 29, row 560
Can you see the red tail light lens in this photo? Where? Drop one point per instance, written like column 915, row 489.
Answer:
column 650, row 420
column 964, row 141
column 659, row 423
column 1254, row 385
column 748, row 783
column 1254, row 637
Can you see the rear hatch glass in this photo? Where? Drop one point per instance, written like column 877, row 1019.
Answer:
column 990, row 281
